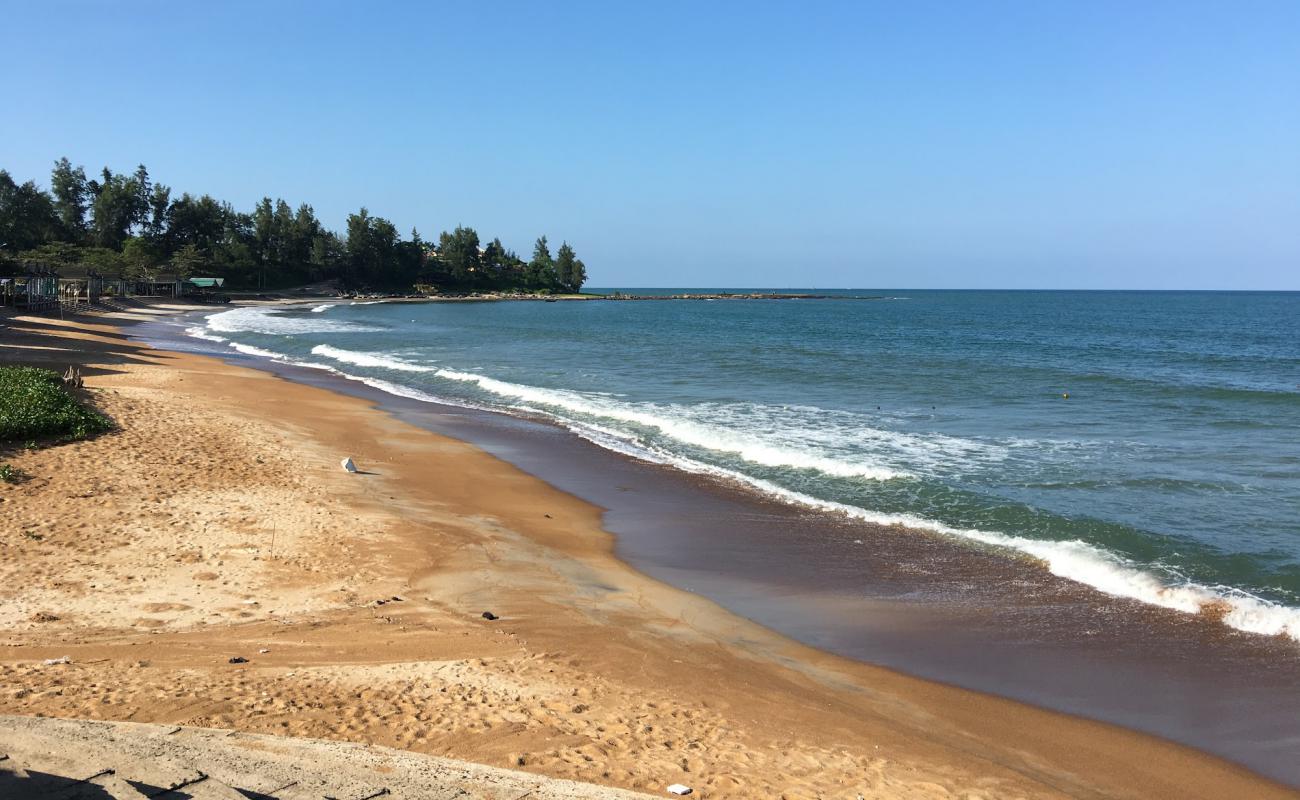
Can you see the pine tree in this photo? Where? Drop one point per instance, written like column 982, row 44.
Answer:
column 70, row 195
column 541, row 270
column 564, row 267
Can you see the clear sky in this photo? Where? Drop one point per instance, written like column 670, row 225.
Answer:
column 861, row 144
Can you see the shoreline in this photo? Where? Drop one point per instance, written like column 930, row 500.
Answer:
column 913, row 600
column 784, row 716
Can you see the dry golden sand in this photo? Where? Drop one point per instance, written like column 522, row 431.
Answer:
column 216, row 522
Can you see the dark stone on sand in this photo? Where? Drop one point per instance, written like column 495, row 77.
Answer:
column 488, row 615
column 238, row 660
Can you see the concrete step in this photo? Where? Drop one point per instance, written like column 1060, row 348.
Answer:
column 208, row 788
column 100, row 787
column 17, row 781
column 9, row 766
column 167, row 762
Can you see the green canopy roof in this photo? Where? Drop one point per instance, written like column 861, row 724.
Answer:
column 207, row 283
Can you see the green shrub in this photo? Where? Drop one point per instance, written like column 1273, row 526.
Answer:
column 34, row 404
column 11, row 474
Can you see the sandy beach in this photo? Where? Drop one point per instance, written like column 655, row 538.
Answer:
column 215, row 523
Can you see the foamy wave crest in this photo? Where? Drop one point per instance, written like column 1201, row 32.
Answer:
column 396, row 389
column 846, row 434
column 199, row 333
column 278, row 321
column 323, row 308
column 747, row 446
column 250, row 350
column 368, row 359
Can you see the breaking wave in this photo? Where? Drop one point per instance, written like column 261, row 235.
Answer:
column 747, row 446
column 200, row 333
column 250, row 350
column 278, row 322
column 380, row 360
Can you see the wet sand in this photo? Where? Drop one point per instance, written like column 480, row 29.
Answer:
column 216, row 522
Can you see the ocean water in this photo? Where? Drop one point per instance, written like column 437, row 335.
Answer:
column 1144, row 443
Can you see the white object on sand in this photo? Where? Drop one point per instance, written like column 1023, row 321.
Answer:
column 678, row 788
column 49, row 662
column 348, row 465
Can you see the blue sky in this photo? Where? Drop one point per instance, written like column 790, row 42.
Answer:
column 889, row 144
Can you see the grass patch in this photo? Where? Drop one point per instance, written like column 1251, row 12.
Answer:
column 11, row 474
column 35, row 405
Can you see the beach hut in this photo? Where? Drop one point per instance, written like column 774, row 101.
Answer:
column 82, row 284
column 203, row 285
column 205, row 289
column 31, row 287
column 160, row 286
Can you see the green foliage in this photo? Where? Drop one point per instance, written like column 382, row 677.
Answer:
column 11, row 474
column 56, row 254
column 141, row 258
column 70, row 191
column 458, row 252
column 189, row 261
column 27, row 217
column 127, row 224
column 118, row 203
column 570, row 272
column 541, row 270
column 34, row 403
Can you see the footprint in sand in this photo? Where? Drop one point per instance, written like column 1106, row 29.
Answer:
column 155, row 608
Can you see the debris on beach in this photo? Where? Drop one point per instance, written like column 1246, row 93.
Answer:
column 489, row 616
column 238, row 660
column 264, row 650
column 678, row 788
column 50, row 662
column 348, row 465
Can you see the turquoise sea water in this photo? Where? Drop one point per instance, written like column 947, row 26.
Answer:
column 1170, row 474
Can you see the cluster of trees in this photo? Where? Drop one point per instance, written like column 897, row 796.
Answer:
column 461, row 261
column 126, row 223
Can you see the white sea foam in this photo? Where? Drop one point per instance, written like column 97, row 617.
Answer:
column 381, row 360
column 395, row 388
column 748, row 446
column 323, row 308
column 278, row 322
column 199, row 333
column 250, row 350
column 833, row 442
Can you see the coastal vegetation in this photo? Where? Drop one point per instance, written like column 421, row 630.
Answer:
column 34, row 404
column 127, row 224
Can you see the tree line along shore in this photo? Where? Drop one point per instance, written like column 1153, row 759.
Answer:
column 128, row 225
